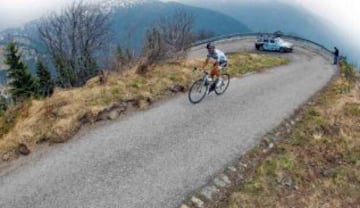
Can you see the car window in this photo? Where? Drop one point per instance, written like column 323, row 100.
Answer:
column 266, row 41
column 272, row 41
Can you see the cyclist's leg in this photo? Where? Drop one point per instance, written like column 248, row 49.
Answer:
column 222, row 66
column 215, row 72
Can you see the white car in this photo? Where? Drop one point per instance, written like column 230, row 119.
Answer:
column 273, row 44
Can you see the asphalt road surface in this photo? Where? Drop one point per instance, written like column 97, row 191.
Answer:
column 153, row 159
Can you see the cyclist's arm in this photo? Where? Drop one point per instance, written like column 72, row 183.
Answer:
column 217, row 63
column 205, row 63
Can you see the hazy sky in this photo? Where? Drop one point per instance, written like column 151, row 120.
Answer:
column 343, row 13
column 16, row 12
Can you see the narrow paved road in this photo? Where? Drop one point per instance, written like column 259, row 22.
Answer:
column 153, row 159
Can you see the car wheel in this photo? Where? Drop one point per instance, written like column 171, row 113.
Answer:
column 261, row 48
column 282, row 50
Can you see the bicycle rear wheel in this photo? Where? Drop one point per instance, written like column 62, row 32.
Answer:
column 224, row 85
column 197, row 91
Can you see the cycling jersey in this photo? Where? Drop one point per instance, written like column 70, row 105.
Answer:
column 218, row 55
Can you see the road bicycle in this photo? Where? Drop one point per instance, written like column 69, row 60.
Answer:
column 200, row 88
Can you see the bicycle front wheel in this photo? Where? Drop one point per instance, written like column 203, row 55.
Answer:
column 224, row 85
column 197, row 91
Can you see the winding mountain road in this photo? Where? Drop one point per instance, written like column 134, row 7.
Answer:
column 153, row 159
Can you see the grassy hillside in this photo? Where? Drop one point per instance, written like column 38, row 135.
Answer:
column 58, row 118
column 314, row 163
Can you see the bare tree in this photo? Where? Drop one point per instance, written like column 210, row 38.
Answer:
column 153, row 50
column 154, row 47
column 123, row 58
column 175, row 30
column 73, row 38
column 170, row 36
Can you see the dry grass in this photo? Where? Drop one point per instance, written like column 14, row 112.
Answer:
column 58, row 118
column 317, row 164
column 248, row 62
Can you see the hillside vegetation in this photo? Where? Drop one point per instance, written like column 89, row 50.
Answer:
column 314, row 163
column 58, row 118
column 126, row 29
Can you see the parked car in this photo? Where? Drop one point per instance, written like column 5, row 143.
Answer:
column 273, row 44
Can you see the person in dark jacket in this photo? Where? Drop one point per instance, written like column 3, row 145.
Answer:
column 336, row 55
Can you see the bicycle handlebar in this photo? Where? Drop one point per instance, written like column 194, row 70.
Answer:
column 195, row 69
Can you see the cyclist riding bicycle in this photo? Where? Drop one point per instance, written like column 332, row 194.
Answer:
column 218, row 66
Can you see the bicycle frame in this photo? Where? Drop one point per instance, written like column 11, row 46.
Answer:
column 207, row 79
column 207, row 82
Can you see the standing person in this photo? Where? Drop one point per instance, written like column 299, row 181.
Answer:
column 336, row 55
column 219, row 64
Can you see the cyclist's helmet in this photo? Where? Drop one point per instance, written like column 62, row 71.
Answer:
column 210, row 46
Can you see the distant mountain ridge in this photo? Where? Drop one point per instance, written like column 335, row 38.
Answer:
column 274, row 15
column 271, row 16
column 141, row 14
column 124, row 3
column 149, row 13
column 130, row 19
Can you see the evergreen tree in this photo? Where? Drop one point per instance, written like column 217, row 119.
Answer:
column 45, row 83
column 22, row 83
